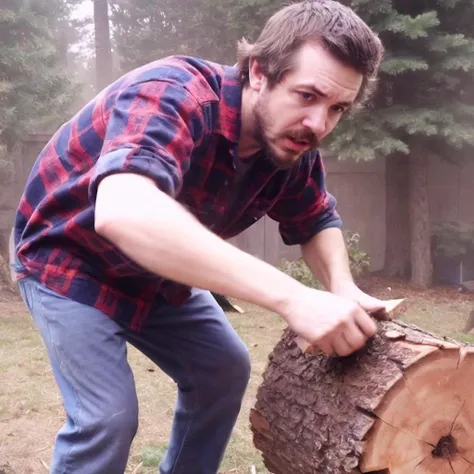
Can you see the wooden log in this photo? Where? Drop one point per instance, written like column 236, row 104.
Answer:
column 402, row 404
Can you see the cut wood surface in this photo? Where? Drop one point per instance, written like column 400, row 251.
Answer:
column 401, row 405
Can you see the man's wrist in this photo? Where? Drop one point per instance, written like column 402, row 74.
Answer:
column 284, row 296
column 343, row 286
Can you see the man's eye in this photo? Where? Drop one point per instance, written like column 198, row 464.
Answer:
column 339, row 109
column 306, row 96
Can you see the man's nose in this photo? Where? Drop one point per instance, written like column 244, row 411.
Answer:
column 316, row 121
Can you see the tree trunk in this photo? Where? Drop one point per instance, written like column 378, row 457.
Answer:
column 402, row 404
column 397, row 247
column 420, row 232
column 103, row 49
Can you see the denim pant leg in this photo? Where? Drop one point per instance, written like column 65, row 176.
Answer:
column 196, row 345
column 88, row 356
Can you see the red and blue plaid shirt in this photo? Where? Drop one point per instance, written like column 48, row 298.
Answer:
column 176, row 120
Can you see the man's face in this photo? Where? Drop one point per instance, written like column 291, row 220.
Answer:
column 297, row 113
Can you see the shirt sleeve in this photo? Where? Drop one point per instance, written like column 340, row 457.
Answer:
column 305, row 207
column 152, row 129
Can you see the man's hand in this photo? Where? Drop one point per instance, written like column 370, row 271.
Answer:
column 371, row 305
column 335, row 324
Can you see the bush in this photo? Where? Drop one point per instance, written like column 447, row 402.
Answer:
column 300, row 272
column 359, row 260
column 359, row 263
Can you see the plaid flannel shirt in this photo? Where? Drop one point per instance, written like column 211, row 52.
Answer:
column 177, row 121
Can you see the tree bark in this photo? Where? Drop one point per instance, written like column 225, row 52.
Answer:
column 103, row 49
column 420, row 229
column 397, row 246
column 402, row 404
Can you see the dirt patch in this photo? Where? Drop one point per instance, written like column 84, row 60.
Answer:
column 384, row 287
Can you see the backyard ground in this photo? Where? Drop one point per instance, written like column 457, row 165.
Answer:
column 31, row 410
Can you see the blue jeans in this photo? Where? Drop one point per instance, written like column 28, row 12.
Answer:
column 194, row 344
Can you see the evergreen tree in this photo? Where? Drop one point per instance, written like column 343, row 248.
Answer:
column 424, row 108
column 35, row 91
column 145, row 31
column 103, row 49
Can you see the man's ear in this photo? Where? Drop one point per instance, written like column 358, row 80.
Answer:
column 256, row 76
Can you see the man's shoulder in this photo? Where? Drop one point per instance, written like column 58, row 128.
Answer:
column 203, row 79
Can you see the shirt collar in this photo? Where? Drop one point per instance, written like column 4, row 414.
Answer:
column 230, row 105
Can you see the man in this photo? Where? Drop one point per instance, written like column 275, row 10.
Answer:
column 121, row 231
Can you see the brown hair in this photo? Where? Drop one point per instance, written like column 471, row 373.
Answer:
column 328, row 22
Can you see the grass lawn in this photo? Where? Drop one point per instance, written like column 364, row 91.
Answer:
column 31, row 410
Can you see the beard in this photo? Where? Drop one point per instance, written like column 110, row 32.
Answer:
column 282, row 158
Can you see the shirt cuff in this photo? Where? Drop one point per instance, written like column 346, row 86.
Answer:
column 326, row 220
column 161, row 168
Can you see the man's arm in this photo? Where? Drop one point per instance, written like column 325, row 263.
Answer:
column 160, row 235
column 326, row 256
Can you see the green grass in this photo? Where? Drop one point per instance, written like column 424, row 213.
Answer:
column 152, row 455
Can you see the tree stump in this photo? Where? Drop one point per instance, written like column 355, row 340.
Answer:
column 403, row 404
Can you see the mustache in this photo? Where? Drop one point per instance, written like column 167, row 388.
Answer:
column 304, row 135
